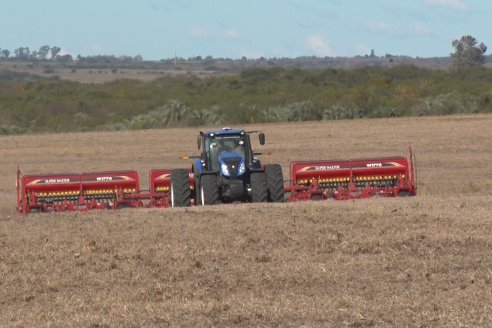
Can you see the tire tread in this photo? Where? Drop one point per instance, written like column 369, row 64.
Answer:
column 275, row 183
column 180, row 181
column 259, row 188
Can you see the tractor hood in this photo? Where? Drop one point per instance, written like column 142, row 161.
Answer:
column 232, row 164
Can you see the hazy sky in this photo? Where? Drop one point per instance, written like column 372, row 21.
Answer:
column 156, row 29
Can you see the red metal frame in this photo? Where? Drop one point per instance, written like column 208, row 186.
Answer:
column 92, row 190
column 74, row 191
column 354, row 178
column 309, row 180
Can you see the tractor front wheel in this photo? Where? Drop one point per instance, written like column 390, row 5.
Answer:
column 259, row 188
column 180, row 188
column 209, row 190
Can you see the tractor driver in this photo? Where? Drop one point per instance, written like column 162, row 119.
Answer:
column 223, row 146
column 230, row 145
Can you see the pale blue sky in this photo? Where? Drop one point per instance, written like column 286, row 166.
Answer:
column 156, row 29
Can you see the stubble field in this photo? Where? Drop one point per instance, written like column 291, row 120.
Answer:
column 419, row 261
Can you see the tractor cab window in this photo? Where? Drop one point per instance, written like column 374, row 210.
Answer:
column 220, row 144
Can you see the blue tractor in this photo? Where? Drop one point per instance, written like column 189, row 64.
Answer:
column 226, row 171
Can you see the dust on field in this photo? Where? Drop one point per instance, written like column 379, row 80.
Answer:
column 421, row 261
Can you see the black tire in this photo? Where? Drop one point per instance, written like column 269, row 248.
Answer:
column 259, row 188
column 180, row 188
column 403, row 193
column 275, row 183
column 209, row 190
column 198, row 200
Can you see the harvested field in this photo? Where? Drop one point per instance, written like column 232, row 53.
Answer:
column 421, row 261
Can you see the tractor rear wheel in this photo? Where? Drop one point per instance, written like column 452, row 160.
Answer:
column 209, row 190
column 259, row 188
column 180, row 188
column 275, row 183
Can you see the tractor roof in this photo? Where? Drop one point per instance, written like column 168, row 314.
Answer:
column 224, row 132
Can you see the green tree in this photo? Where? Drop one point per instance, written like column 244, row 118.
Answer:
column 22, row 52
column 43, row 52
column 54, row 52
column 468, row 53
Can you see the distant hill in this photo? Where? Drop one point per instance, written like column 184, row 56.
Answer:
column 109, row 68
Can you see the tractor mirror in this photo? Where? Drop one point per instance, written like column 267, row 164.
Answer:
column 198, row 142
column 261, row 136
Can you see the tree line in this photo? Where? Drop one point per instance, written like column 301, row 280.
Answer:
column 44, row 52
column 255, row 95
column 467, row 53
column 30, row 104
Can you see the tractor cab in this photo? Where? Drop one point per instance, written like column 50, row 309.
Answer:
column 227, row 151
